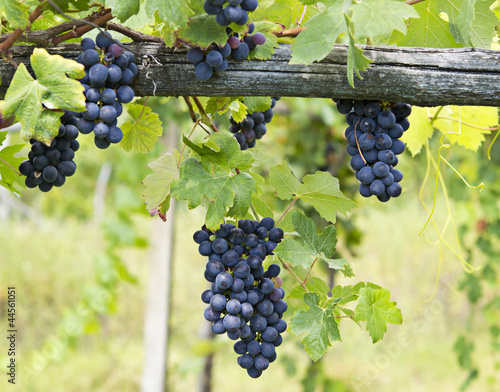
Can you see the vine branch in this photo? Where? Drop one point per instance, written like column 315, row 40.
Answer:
column 7, row 44
column 288, row 209
column 289, row 269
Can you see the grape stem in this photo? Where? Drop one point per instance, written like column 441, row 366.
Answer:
column 183, row 148
column 308, row 272
column 13, row 168
column 289, row 269
column 304, row 10
column 203, row 113
column 288, row 209
column 255, row 214
column 190, row 107
column 357, row 143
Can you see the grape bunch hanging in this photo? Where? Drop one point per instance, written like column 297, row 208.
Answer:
column 245, row 301
column 235, row 11
column 373, row 143
column 107, row 76
column 216, row 60
column 48, row 166
column 253, row 127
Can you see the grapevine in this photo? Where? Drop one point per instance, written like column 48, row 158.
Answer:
column 204, row 46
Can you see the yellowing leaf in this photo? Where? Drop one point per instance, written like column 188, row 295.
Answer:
column 466, row 125
column 420, row 129
column 158, row 184
column 15, row 12
column 53, row 88
column 141, row 134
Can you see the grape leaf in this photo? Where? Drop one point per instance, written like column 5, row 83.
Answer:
column 465, row 129
column 15, row 12
column 464, row 349
column 317, row 40
column 472, row 23
column 321, row 190
column 123, row 9
column 9, row 164
column 311, row 246
column 284, row 181
column 356, row 61
column 141, row 134
column 314, row 285
column 379, row 18
column 265, row 51
column 238, row 110
column 319, row 324
column 420, row 130
column 173, row 12
column 213, row 181
column 219, row 105
column 257, row 104
column 53, row 88
column 157, row 192
column 285, row 12
column 201, row 31
column 64, row 5
column 430, row 30
column 375, row 307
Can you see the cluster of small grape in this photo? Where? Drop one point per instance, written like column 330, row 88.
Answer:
column 106, row 88
column 373, row 136
column 245, row 300
column 253, row 127
column 216, row 59
column 236, row 11
column 48, row 166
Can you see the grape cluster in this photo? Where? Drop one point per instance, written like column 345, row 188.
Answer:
column 106, row 80
column 215, row 60
column 245, row 300
column 373, row 136
column 236, row 11
column 253, row 127
column 48, row 166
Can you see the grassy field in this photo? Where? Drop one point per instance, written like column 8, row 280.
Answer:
column 51, row 265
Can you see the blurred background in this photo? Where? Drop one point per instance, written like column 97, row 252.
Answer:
column 80, row 258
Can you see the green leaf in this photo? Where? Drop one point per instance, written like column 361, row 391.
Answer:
column 318, row 323
column 466, row 128
column 202, row 31
column 377, row 310
column 173, row 12
column 157, row 192
column 257, row 104
column 264, row 52
column 9, row 164
column 317, row 40
column 219, row 105
column 311, row 246
column 464, row 349
column 15, row 12
column 430, row 30
column 284, row 181
column 123, row 9
column 238, row 110
column 379, row 18
column 314, row 285
column 53, row 88
column 356, row 61
column 141, row 134
column 321, row 190
column 285, row 12
column 420, row 130
column 213, row 180
column 472, row 23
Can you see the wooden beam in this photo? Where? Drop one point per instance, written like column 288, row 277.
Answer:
column 420, row 76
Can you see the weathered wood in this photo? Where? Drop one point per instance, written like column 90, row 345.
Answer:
column 420, row 76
